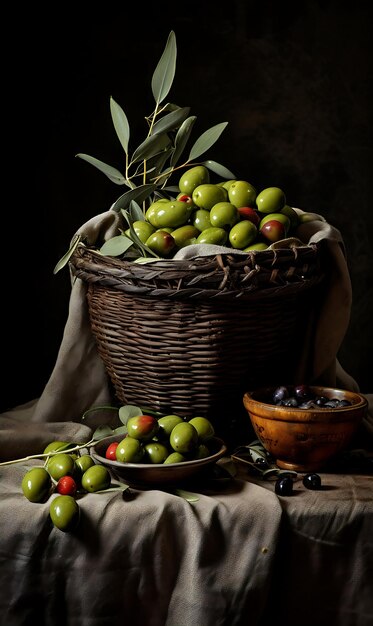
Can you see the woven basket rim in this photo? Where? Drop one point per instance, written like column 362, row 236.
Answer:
column 265, row 273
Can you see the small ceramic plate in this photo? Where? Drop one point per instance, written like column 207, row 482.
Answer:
column 151, row 474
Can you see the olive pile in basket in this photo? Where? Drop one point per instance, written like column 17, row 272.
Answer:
column 169, row 439
column 229, row 213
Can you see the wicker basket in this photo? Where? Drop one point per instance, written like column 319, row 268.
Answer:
column 190, row 337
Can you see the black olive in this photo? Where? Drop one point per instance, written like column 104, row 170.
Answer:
column 280, row 393
column 284, row 486
column 312, row 481
column 302, row 392
column 291, row 402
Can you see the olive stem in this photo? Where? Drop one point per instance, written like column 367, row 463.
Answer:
column 89, row 444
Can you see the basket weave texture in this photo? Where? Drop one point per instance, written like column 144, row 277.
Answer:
column 191, row 336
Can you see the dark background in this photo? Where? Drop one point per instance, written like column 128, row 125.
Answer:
column 292, row 79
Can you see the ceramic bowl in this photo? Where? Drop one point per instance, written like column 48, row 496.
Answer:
column 147, row 474
column 304, row 439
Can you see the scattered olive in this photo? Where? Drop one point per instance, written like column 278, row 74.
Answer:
column 284, row 486
column 36, row 484
column 64, row 512
column 312, row 481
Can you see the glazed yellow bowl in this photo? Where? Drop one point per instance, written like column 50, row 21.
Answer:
column 304, row 439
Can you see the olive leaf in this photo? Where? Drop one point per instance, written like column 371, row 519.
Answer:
column 206, row 140
column 135, row 239
column 219, row 169
column 128, row 410
column 164, row 73
column 139, row 193
column 135, row 212
column 152, row 145
column 187, row 495
column 120, row 124
column 101, row 432
column 171, row 121
column 111, row 172
column 116, row 245
column 182, row 137
column 155, row 164
column 114, row 487
column 66, row 257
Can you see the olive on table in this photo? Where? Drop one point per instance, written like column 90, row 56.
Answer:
column 64, row 512
column 284, row 486
column 312, row 481
column 61, row 464
column 36, row 484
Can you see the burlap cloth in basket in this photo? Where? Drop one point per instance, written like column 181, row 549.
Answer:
column 79, row 381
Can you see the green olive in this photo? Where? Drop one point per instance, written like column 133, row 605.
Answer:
column 242, row 234
column 129, row 450
column 64, row 512
column 174, row 457
column 241, row 193
column 165, row 229
column 292, row 215
column 224, row 215
column 61, row 464
column 161, row 242
column 171, row 214
column 155, row 452
column 205, row 196
column 152, row 209
column 202, row 452
column 201, row 219
column 166, row 424
column 259, row 245
column 192, row 178
column 82, row 463
column 36, row 484
column 56, row 445
column 204, row 428
column 213, row 235
column 96, row 478
column 143, row 229
column 271, row 200
column 227, row 183
column 184, row 438
column 185, row 235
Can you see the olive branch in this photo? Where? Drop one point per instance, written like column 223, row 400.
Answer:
column 150, row 165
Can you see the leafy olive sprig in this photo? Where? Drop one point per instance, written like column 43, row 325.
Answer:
column 148, row 167
column 255, row 455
